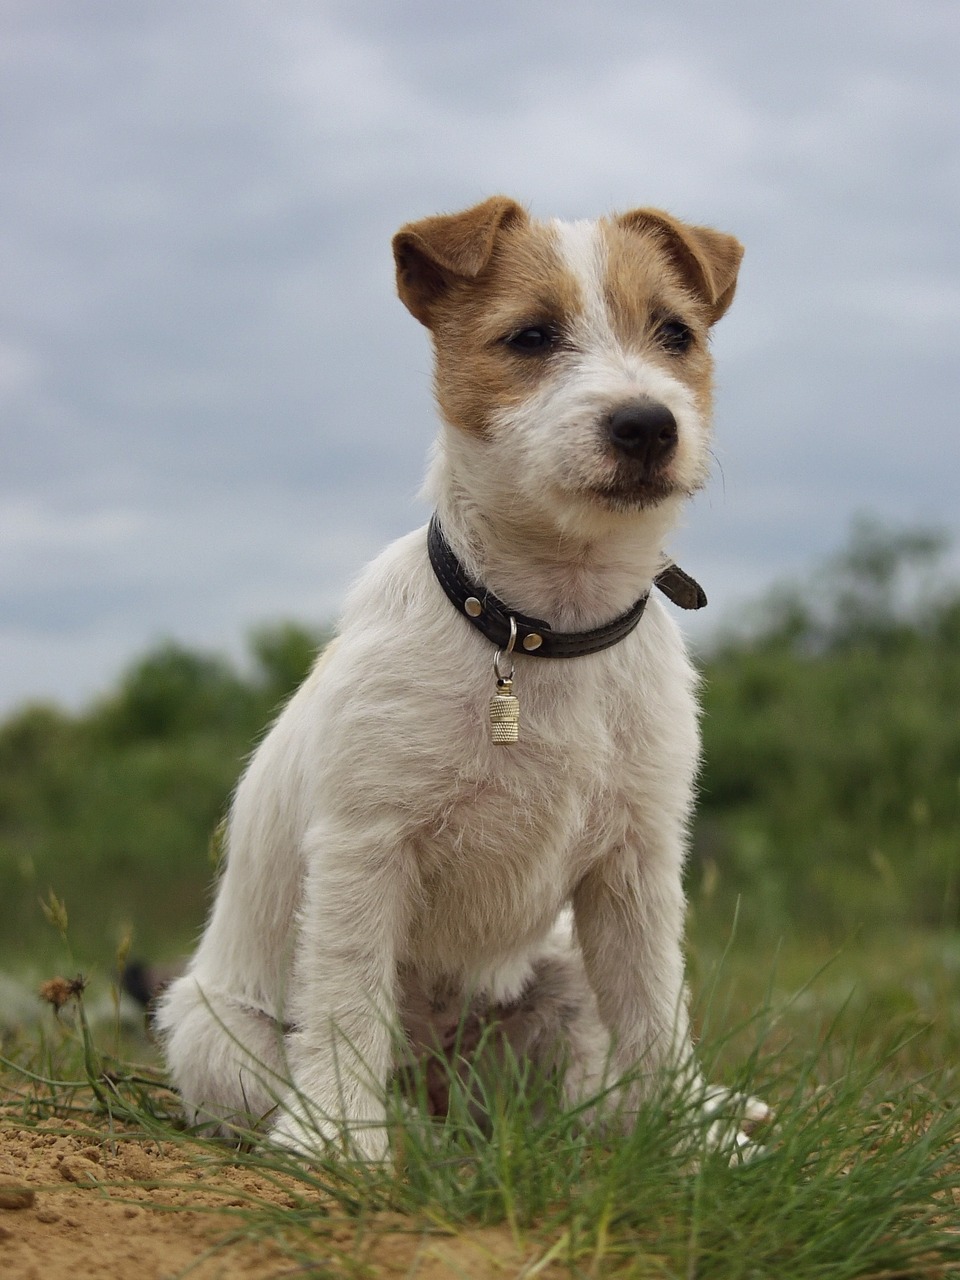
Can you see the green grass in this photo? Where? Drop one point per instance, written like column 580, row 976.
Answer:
column 859, row 1176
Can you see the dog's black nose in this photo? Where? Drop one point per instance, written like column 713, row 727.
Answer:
column 644, row 430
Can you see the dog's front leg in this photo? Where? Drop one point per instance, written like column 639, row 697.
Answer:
column 340, row 1052
column 629, row 914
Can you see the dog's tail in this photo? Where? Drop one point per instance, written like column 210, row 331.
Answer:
column 144, row 982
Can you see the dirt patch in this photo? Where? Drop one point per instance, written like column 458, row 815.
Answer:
column 109, row 1206
column 83, row 1205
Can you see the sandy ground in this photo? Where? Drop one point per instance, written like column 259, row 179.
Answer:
column 76, row 1205
column 82, row 1201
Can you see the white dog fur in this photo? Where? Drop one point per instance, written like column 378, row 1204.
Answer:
column 386, row 862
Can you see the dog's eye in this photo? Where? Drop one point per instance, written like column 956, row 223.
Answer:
column 530, row 341
column 674, row 336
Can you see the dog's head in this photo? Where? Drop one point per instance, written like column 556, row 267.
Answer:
column 574, row 354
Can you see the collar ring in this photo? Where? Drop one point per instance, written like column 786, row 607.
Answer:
column 505, row 652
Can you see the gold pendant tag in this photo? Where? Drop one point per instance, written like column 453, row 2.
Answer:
column 504, row 713
column 504, row 707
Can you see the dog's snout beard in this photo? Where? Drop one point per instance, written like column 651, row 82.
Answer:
column 641, row 439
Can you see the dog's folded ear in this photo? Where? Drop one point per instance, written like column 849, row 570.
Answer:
column 708, row 260
column 434, row 252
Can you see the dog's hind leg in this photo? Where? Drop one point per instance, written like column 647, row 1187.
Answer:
column 556, row 1028
column 226, row 1056
column 552, row 1030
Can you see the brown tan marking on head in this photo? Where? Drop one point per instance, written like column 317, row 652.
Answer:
column 707, row 261
column 474, row 279
column 434, row 253
column 666, row 284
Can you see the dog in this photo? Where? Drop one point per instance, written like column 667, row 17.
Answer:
column 473, row 814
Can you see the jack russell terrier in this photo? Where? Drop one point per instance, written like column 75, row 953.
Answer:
column 468, row 826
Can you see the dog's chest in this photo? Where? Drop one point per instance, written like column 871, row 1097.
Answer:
column 519, row 825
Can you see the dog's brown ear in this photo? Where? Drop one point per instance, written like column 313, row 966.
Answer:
column 431, row 253
column 708, row 260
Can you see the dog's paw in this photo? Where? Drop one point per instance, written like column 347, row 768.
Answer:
column 316, row 1141
column 733, row 1121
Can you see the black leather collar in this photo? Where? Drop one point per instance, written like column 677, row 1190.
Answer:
column 535, row 636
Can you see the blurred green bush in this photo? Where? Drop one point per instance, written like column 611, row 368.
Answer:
column 831, row 780
column 115, row 808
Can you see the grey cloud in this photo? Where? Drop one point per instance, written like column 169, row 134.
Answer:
column 202, row 363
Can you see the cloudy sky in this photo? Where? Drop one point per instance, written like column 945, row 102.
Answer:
column 213, row 409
